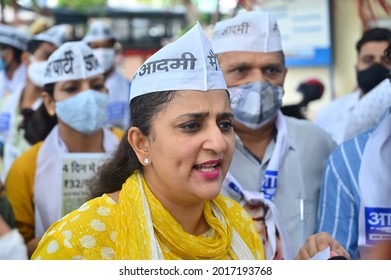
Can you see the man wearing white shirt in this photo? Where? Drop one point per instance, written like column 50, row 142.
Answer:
column 372, row 68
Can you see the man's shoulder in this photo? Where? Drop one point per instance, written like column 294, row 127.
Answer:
column 306, row 135
column 304, row 126
column 29, row 157
column 353, row 147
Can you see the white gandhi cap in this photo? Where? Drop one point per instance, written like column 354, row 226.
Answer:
column 254, row 31
column 14, row 37
column 54, row 35
column 188, row 63
column 98, row 31
column 71, row 61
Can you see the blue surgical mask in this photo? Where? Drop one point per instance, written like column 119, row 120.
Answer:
column 255, row 104
column 85, row 112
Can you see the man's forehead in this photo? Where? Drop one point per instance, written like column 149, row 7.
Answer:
column 101, row 43
column 374, row 48
column 250, row 58
column 44, row 46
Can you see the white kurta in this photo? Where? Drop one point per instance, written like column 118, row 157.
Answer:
column 333, row 117
column 8, row 86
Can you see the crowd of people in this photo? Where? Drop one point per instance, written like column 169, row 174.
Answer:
column 192, row 158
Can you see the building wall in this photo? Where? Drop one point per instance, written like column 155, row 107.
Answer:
column 339, row 79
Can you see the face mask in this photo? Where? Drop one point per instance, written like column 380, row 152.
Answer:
column 371, row 77
column 36, row 72
column 256, row 103
column 1, row 64
column 105, row 57
column 85, row 111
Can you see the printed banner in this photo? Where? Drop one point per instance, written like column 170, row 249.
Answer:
column 77, row 171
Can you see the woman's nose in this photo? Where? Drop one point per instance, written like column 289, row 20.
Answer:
column 216, row 140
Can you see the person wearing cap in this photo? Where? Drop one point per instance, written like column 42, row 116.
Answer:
column 158, row 196
column 16, row 108
column 37, row 184
column 278, row 159
column 159, row 192
column 372, row 67
column 102, row 40
column 13, row 72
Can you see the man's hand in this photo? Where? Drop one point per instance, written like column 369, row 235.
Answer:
column 317, row 243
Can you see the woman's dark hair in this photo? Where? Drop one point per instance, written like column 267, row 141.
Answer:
column 387, row 51
column 38, row 124
column 123, row 162
column 387, row 54
column 33, row 45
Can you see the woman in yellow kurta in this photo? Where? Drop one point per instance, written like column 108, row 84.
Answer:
column 158, row 196
column 105, row 229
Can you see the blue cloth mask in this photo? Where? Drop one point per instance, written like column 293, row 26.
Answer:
column 256, row 103
column 85, row 112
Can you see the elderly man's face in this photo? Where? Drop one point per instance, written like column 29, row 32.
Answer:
column 241, row 68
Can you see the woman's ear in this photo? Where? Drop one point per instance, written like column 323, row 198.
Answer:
column 49, row 103
column 140, row 144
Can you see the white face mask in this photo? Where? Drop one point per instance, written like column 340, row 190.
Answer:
column 105, row 57
column 36, row 72
column 85, row 112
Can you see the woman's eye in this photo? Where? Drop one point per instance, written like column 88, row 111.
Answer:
column 70, row 89
column 226, row 125
column 99, row 87
column 190, row 126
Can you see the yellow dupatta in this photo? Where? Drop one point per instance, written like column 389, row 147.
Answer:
column 148, row 231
